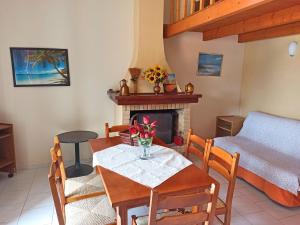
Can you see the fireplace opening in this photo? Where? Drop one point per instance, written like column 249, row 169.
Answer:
column 167, row 122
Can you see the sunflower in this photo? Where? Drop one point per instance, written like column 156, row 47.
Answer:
column 155, row 74
column 148, row 74
column 158, row 74
column 151, row 79
column 158, row 68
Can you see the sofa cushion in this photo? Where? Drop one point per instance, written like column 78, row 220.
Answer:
column 279, row 133
column 274, row 166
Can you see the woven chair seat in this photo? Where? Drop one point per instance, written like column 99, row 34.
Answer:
column 90, row 211
column 143, row 220
column 220, row 204
column 83, row 185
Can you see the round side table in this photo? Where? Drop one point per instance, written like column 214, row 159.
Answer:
column 77, row 137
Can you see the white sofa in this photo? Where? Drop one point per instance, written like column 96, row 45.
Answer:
column 270, row 148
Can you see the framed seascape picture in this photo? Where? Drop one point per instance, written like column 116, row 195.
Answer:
column 209, row 64
column 40, row 67
column 170, row 85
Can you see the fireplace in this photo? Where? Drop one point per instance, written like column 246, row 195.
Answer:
column 181, row 113
column 179, row 104
column 167, row 122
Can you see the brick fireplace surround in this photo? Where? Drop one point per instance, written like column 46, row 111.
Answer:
column 183, row 111
column 149, row 102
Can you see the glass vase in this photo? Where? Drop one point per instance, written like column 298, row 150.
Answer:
column 145, row 143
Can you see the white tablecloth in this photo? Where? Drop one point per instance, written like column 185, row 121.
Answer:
column 124, row 160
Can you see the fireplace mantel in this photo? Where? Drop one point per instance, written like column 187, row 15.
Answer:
column 150, row 98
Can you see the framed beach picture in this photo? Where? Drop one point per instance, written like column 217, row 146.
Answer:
column 209, row 64
column 40, row 67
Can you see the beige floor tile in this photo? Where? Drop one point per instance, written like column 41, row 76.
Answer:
column 38, row 200
column 40, row 186
column 292, row 220
column 278, row 211
column 256, row 195
column 13, row 198
column 10, row 214
column 240, row 220
column 38, row 216
column 10, row 223
column 262, row 218
column 243, row 205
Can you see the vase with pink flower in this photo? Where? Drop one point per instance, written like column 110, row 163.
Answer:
column 144, row 132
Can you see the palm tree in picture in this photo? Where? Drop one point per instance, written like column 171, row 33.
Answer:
column 52, row 57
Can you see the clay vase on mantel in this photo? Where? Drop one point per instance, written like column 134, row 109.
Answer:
column 156, row 88
column 135, row 73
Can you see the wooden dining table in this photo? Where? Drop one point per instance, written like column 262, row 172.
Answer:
column 124, row 193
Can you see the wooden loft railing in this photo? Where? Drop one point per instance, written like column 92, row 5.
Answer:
column 180, row 9
column 250, row 20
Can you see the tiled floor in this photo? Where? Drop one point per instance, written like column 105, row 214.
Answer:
column 25, row 199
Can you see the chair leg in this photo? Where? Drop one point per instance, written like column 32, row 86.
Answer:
column 227, row 217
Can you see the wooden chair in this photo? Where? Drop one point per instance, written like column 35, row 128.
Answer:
column 114, row 129
column 87, row 211
column 79, row 187
column 171, row 201
column 195, row 145
column 226, row 165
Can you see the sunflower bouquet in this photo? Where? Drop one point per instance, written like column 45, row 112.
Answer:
column 156, row 74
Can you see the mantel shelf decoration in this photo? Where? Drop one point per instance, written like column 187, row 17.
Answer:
column 151, row 98
column 144, row 132
column 135, row 73
column 156, row 75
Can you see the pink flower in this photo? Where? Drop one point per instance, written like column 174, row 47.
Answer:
column 133, row 130
column 147, row 135
column 140, row 128
column 142, row 135
column 146, row 119
column 153, row 124
column 153, row 133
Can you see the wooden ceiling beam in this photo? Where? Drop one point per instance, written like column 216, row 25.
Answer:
column 277, row 18
column 226, row 11
column 280, row 31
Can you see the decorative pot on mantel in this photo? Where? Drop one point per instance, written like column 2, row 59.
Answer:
column 135, row 73
column 189, row 89
column 156, row 88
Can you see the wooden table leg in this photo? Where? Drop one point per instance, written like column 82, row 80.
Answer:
column 122, row 216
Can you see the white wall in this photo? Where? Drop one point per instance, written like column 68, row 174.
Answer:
column 221, row 95
column 271, row 78
column 99, row 36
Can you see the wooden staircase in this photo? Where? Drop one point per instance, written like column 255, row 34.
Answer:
column 249, row 19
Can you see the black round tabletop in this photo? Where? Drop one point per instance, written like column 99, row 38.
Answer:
column 77, row 136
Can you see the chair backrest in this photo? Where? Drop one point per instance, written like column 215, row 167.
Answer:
column 57, row 189
column 225, row 164
column 114, row 129
column 57, row 154
column 195, row 145
column 173, row 201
